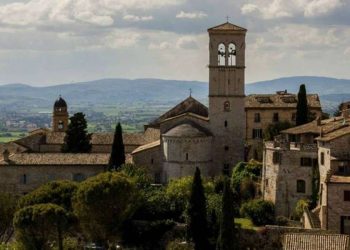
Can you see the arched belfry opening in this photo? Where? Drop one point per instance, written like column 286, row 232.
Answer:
column 232, row 54
column 221, row 54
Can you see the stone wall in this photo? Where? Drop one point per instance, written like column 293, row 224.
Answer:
column 279, row 179
column 24, row 179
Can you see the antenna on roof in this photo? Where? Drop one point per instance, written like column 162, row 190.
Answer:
column 227, row 18
column 190, row 92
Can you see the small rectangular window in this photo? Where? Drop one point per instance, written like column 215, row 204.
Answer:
column 306, row 162
column 301, row 186
column 275, row 117
column 276, row 157
column 226, row 170
column 346, row 195
column 257, row 133
column 322, row 159
column 24, row 179
column 257, row 117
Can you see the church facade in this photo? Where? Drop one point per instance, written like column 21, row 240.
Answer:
column 192, row 135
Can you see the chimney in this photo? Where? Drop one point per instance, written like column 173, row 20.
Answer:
column 6, row 155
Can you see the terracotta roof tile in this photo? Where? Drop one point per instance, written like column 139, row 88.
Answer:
column 279, row 101
column 295, row 241
column 339, row 179
column 146, row 147
column 227, row 26
column 57, row 159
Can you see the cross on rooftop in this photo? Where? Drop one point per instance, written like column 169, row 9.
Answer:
column 190, row 92
column 227, row 18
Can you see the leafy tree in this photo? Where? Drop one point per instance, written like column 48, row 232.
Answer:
column 118, row 152
column 8, row 204
column 140, row 175
column 274, row 129
column 103, row 203
column 302, row 107
column 227, row 238
column 315, row 186
column 300, row 207
column 245, row 171
column 197, row 214
column 56, row 192
column 77, row 139
column 38, row 225
column 259, row 211
column 338, row 110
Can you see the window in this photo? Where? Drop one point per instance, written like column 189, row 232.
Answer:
column 231, row 54
column 347, row 195
column 227, row 106
column 225, row 124
column 78, row 177
column 226, row 170
column 24, row 179
column 221, row 54
column 276, row 157
column 344, row 170
column 152, row 161
column 306, row 162
column 60, row 125
column 345, row 224
column 294, row 117
column 322, row 159
column 257, row 133
column 186, row 156
column 257, row 117
column 157, row 178
column 275, row 117
column 301, row 186
column 226, row 148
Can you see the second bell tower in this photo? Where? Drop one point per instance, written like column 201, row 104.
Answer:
column 226, row 95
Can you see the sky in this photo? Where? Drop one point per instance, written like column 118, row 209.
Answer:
column 46, row 42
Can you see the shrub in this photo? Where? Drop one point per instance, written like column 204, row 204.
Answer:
column 299, row 208
column 259, row 211
column 178, row 245
column 282, row 221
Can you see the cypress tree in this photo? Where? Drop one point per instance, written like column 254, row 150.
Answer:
column 227, row 237
column 302, row 108
column 197, row 214
column 77, row 139
column 117, row 157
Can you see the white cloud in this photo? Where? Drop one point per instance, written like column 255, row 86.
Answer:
column 160, row 46
column 320, row 7
column 268, row 9
column 187, row 42
column 134, row 18
column 191, row 15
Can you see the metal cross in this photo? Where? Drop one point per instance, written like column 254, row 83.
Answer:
column 190, row 92
column 227, row 18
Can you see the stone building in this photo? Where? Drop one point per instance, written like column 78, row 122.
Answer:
column 263, row 110
column 288, row 172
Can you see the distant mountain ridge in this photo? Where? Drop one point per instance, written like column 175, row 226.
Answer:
column 114, row 91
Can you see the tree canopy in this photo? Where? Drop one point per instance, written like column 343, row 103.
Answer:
column 117, row 158
column 197, row 214
column 8, row 205
column 39, row 225
column 302, row 107
column 77, row 139
column 102, row 203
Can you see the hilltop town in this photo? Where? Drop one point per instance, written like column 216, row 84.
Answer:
column 257, row 171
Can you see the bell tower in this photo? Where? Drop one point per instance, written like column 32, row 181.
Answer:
column 60, row 116
column 226, row 95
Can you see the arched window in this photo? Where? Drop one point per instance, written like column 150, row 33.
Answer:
column 231, row 54
column 301, row 186
column 227, row 106
column 60, row 125
column 221, row 54
column 186, row 156
column 225, row 124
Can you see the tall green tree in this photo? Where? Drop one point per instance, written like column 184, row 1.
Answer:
column 302, row 107
column 228, row 239
column 8, row 204
column 77, row 139
column 38, row 225
column 103, row 203
column 117, row 157
column 197, row 214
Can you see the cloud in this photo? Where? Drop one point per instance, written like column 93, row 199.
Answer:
column 187, row 42
column 160, row 46
column 275, row 9
column 191, row 15
column 134, row 18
